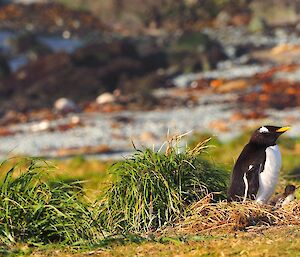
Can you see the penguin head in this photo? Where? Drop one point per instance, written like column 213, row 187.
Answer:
column 289, row 189
column 267, row 135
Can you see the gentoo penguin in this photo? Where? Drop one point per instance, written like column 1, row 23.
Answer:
column 281, row 200
column 256, row 170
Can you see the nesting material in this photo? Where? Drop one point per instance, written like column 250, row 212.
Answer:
column 207, row 216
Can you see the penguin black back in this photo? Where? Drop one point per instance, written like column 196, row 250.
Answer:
column 251, row 162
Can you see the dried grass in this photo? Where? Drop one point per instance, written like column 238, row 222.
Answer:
column 206, row 216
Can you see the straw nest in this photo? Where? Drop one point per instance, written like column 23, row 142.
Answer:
column 206, row 216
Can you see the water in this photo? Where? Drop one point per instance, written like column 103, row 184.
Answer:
column 17, row 62
column 4, row 36
column 56, row 44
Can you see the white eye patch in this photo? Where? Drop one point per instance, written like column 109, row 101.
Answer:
column 263, row 130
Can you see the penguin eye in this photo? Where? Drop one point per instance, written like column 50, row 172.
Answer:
column 263, row 130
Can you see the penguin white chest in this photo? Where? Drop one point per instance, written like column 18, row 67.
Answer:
column 269, row 176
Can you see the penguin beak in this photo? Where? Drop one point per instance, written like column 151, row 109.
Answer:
column 283, row 129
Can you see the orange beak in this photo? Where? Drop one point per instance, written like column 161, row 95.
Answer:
column 283, row 129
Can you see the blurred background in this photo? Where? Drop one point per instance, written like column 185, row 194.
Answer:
column 94, row 77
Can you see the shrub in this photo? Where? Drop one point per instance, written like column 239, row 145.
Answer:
column 151, row 189
column 33, row 211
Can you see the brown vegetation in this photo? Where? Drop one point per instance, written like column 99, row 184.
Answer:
column 207, row 216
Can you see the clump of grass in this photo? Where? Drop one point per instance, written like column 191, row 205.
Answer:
column 151, row 189
column 207, row 216
column 32, row 211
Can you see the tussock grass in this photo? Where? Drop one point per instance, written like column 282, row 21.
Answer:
column 33, row 211
column 207, row 216
column 151, row 189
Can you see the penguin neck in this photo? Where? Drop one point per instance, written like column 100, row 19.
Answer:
column 260, row 144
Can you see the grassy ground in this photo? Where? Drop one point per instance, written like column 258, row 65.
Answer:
column 274, row 241
column 93, row 173
column 277, row 241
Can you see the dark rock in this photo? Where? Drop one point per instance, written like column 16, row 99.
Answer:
column 83, row 75
column 98, row 54
column 48, row 17
column 196, row 51
column 28, row 43
column 4, row 67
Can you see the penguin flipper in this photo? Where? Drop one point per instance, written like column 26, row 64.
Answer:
column 246, row 171
column 252, row 176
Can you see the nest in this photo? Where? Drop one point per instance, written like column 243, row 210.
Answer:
column 207, row 216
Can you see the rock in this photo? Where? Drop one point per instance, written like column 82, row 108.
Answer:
column 123, row 119
column 6, row 132
column 241, row 18
column 66, row 127
column 90, row 70
column 28, row 43
column 282, row 54
column 282, row 48
column 41, row 126
column 111, row 108
column 4, row 67
column 223, row 19
column 216, row 83
column 102, row 53
column 234, row 85
column 273, row 94
column 195, row 51
column 250, row 115
column 41, row 114
column 105, row 98
column 12, row 117
column 48, row 17
column 75, row 120
column 29, row 1
column 64, row 105
column 147, row 137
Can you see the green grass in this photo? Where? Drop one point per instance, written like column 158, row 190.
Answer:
column 277, row 241
column 47, row 211
column 37, row 212
column 273, row 242
column 92, row 173
column 152, row 189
